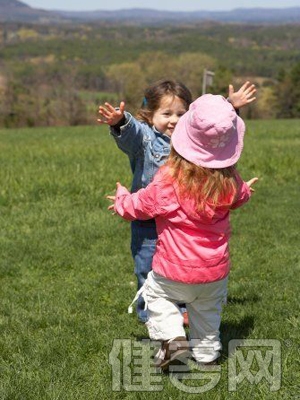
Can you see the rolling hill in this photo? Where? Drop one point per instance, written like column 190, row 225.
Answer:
column 18, row 11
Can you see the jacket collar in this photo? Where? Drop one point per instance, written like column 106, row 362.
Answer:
column 166, row 138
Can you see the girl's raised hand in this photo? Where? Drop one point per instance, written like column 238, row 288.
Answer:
column 111, row 115
column 243, row 96
column 251, row 182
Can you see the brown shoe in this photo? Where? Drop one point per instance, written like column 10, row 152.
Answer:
column 172, row 351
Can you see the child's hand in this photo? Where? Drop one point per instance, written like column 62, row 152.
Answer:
column 111, row 115
column 251, row 182
column 243, row 96
column 113, row 199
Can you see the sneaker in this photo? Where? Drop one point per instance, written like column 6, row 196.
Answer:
column 172, row 351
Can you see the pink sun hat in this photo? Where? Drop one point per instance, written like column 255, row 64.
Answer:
column 210, row 134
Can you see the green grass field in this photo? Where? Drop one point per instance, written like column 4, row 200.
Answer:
column 67, row 275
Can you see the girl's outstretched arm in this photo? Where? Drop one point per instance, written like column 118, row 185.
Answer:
column 157, row 199
column 128, row 205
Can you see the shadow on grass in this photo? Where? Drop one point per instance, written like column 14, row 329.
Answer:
column 235, row 330
column 242, row 300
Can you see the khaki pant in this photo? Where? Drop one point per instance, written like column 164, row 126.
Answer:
column 203, row 303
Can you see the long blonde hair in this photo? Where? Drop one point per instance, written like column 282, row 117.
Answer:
column 214, row 187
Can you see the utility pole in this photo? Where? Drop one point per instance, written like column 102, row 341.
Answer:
column 207, row 79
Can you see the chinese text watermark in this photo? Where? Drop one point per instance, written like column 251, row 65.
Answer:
column 252, row 361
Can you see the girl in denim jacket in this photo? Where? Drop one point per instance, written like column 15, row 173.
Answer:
column 146, row 141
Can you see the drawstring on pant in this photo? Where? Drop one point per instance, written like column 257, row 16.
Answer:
column 137, row 295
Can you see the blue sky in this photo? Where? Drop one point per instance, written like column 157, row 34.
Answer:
column 169, row 5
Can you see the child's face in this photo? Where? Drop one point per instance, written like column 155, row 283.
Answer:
column 167, row 115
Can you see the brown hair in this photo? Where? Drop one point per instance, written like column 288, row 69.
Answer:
column 215, row 187
column 155, row 92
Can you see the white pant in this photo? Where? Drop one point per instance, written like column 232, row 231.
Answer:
column 203, row 303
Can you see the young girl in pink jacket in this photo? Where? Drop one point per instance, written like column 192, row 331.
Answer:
column 191, row 198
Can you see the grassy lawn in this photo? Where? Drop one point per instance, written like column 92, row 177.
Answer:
column 67, row 276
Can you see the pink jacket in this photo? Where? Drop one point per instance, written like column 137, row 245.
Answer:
column 192, row 247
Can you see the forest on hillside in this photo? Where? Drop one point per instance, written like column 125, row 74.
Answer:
column 58, row 74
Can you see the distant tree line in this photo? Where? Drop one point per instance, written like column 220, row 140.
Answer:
column 51, row 76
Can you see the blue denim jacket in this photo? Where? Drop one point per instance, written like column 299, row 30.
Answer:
column 146, row 148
